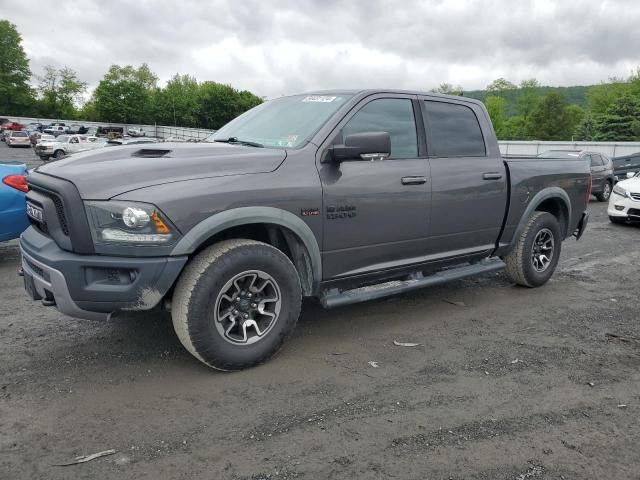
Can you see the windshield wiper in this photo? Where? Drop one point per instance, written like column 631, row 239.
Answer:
column 239, row 142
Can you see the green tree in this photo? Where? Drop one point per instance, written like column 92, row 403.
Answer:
column 601, row 97
column 529, row 97
column 178, row 102
column 586, row 130
column 514, row 128
column 621, row 121
column 577, row 115
column 448, row 89
column 499, row 86
column 60, row 92
column 221, row 103
column 16, row 96
column 496, row 107
column 124, row 94
column 550, row 119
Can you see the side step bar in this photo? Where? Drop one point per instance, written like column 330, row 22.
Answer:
column 335, row 298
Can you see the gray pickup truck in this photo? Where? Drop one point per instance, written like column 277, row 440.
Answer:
column 344, row 196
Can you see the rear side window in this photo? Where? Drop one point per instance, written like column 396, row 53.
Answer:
column 596, row 160
column 453, row 131
column 392, row 115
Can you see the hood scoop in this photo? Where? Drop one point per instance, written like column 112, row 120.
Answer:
column 150, row 153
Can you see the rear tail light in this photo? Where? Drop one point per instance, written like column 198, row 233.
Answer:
column 19, row 182
column 589, row 185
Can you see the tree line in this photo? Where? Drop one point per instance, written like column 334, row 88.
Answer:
column 529, row 111
column 126, row 94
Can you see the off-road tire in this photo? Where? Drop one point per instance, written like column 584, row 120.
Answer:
column 194, row 302
column 618, row 220
column 606, row 192
column 519, row 266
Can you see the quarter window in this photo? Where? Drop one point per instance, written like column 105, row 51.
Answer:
column 392, row 115
column 453, row 131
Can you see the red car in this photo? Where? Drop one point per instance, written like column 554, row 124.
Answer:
column 15, row 126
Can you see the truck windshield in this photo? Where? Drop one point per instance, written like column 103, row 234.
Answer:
column 286, row 122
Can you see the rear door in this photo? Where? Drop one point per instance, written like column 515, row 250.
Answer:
column 597, row 171
column 622, row 165
column 468, row 178
column 376, row 212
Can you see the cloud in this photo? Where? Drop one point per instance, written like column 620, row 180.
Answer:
column 282, row 47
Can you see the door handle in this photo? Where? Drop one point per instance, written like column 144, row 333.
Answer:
column 492, row 176
column 414, row 180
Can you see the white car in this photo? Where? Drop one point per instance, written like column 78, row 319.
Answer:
column 66, row 145
column 624, row 203
column 18, row 139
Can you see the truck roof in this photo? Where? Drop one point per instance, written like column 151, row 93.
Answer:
column 373, row 91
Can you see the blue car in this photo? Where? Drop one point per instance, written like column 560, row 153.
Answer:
column 13, row 210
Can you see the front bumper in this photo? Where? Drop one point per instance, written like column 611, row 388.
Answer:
column 623, row 207
column 93, row 286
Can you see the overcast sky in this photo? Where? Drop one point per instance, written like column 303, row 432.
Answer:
column 276, row 48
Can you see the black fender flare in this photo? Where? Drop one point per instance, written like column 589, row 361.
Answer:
column 536, row 201
column 249, row 215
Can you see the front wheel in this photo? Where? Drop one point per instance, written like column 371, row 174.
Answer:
column 605, row 194
column 236, row 303
column 537, row 251
column 58, row 154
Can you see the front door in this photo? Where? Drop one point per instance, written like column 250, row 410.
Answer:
column 376, row 212
column 468, row 179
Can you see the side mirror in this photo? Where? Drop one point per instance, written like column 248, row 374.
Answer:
column 631, row 174
column 363, row 146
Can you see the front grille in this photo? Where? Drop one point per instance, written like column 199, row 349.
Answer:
column 57, row 202
column 635, row 196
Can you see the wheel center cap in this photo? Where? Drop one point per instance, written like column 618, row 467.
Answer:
column 244, row 304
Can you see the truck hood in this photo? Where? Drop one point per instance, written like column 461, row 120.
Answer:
column 106, row 172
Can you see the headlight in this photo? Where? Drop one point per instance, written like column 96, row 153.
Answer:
column 620, row 191
column 129, row 223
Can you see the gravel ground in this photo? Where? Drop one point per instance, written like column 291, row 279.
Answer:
column 508, row 383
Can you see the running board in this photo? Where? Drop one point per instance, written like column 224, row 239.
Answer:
column 335, row 298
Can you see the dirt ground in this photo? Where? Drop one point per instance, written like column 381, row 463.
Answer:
column 508, row 383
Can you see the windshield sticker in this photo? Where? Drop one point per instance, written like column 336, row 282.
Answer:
column 318, row 99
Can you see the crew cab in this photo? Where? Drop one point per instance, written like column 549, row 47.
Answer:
column 312, row 195
column 63, row 145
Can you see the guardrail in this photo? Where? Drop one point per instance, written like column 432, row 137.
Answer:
column 532, row 148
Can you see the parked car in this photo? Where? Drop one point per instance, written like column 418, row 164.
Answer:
column 56, row 130
column 15, row 126
column 13, row 215
column 65, row 145
column 33, row 127
column 37, row 138
column 624, row 204
column 110, row 132
column 626, row 164
column 136, row 132
column 601, row 169
column 307, row 195
column 79, row 129
column 5, row 135
column 18, row 139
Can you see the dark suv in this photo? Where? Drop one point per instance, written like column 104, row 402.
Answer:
column 601, row 169
column 626, row 164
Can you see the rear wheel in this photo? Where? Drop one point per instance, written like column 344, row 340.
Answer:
column 537, row 251
column 606, row 192
column 236, row 303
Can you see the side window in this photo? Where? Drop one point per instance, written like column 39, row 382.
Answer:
column 453, row 131
column 596, row 160
column 392, row 115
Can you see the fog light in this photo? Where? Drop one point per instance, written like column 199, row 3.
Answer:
column 619, row 207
